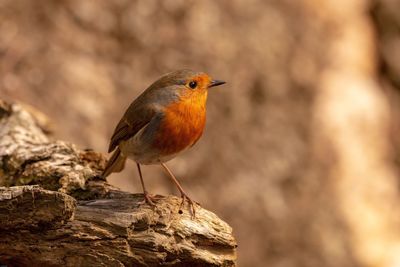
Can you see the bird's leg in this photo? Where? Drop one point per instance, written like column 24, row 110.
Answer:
column 147, row 197
column 183, row 194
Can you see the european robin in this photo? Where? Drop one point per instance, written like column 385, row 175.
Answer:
column 166, row 119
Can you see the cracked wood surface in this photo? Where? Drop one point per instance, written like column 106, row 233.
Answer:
column 73, row 217
column 28, row 156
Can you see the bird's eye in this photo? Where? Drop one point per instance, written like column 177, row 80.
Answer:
column 193, row 84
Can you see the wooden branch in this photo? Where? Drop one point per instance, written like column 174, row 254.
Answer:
column 106, row 226
column 25, row 207
column 28, row 156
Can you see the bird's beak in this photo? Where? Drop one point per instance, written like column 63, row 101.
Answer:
column 216, row 83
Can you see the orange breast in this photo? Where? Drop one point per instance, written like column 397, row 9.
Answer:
column 182, row 124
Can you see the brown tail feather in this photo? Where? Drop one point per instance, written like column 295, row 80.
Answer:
column 115, row 164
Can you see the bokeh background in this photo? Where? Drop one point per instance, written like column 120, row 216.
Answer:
column 301, row 150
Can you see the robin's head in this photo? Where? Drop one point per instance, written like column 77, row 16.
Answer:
column 187, row 83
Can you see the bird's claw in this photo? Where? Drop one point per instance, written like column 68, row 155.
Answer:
column 191, row 205
column 148, row 199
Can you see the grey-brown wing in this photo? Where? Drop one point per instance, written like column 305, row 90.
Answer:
column 134, row 119
column 143, row 109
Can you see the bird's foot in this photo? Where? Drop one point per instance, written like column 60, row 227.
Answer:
column 191, row 205
column 148, row 199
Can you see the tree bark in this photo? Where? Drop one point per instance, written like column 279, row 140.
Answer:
column 59, row 211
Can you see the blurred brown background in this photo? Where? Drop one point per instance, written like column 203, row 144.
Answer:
column 300, row 154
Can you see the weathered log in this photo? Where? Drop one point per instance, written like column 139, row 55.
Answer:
column 26, row 207
column 45, row 225
column 28, row 156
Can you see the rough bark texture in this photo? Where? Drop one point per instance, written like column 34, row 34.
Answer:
column 106, row 227
column 27, row 156
column 28, row 207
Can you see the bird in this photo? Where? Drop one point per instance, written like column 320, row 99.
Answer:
column 163, row 121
